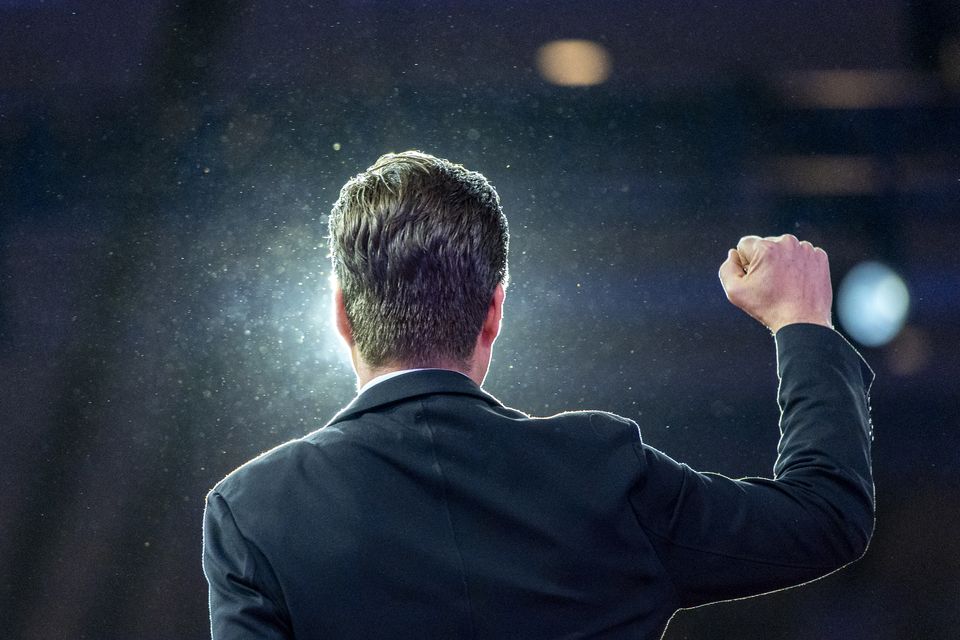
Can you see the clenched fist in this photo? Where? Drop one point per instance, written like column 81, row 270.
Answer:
column 779, row 281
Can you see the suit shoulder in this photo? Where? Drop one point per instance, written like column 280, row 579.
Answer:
column 597, row 423
column 272, row 465
column 255, row 467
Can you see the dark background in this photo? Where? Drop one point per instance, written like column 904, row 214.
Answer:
column 166, row 170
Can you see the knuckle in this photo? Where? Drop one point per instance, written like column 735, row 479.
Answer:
column 789, row 238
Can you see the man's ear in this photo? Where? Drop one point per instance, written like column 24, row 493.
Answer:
column 340, row 312
column 491, row 324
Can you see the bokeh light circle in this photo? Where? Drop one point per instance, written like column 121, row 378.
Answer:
column 574, row 63
column 873, row 303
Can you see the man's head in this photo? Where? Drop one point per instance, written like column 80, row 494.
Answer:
column 419, row 249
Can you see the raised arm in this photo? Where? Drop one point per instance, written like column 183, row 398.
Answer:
column 720, row 538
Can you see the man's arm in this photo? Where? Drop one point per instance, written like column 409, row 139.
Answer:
column 720, row 538
column 245, row 598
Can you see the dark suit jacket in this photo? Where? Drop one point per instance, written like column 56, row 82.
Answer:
column 426, row 509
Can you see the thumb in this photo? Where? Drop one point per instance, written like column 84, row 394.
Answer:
column 731, row 271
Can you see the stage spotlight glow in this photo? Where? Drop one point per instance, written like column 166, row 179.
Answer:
column 872, row 303
column 332, row 346
column 573, row 63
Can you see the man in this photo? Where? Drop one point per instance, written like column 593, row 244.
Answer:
column 426, row 509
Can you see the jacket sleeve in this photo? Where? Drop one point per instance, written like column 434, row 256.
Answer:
column 244, row 596
column 720, row 538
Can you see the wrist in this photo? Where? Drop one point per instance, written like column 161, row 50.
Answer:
column 817, row 321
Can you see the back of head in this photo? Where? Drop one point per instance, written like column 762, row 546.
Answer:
column 418, row 244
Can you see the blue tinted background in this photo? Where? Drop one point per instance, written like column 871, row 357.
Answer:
column 165, row 174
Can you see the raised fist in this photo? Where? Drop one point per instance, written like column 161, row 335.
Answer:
column 779, row 281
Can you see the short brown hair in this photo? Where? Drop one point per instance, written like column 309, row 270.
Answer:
column 418, row 245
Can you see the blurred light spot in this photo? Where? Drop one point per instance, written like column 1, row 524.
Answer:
column 909, row 353
column 858, row 88
column 337, row 146
column 825, row 175
column 573, row 63
column 872, row 303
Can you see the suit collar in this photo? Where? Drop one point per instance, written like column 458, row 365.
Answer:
column 411, row 385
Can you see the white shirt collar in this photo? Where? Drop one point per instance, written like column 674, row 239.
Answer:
column 394, row 374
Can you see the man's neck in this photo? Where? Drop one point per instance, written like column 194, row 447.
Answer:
column 361, row 388
column 367, row 374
